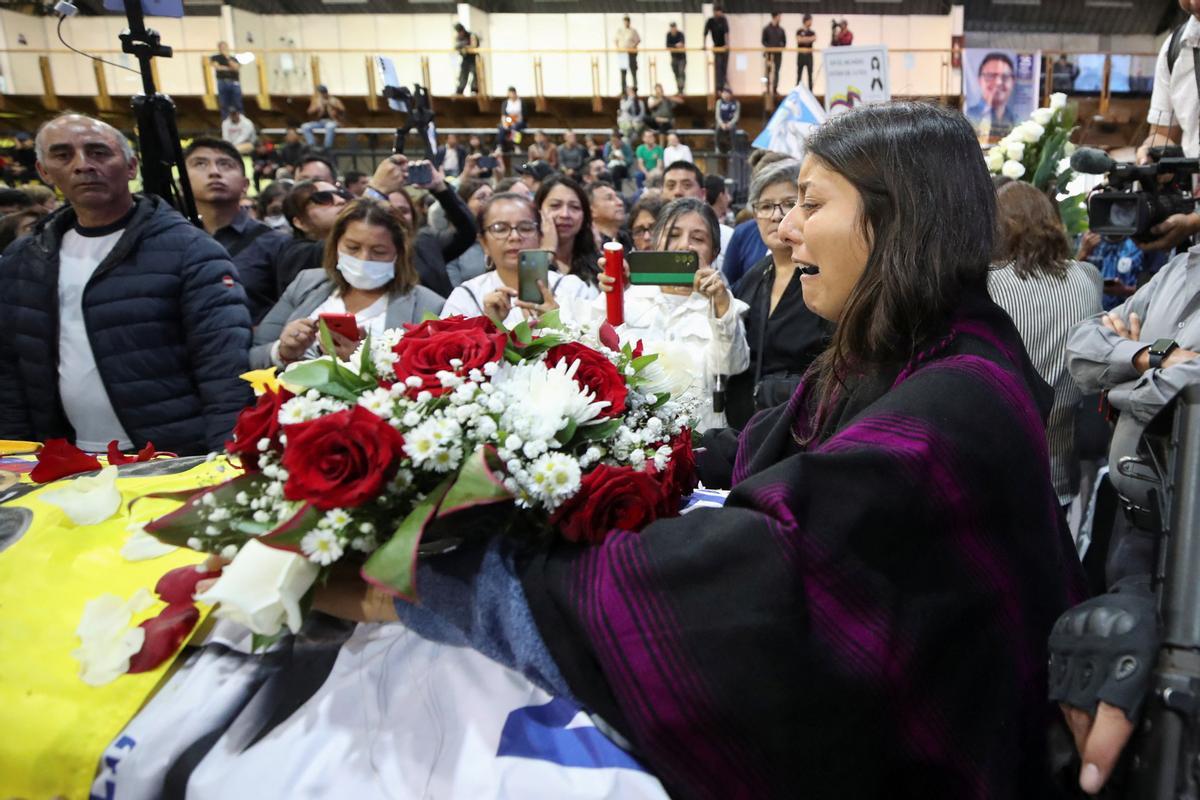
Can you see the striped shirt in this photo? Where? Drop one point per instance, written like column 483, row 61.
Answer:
column 1045, row 309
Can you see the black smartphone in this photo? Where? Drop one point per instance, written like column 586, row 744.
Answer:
column 488, row 162
column 420, row 173
column 533, row 266
column 662, row 267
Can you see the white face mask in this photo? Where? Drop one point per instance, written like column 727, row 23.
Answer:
column 276, row 222
column 365, row 275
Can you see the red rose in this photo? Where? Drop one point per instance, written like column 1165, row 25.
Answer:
column 340, row 460
column 679, row 479
column 428, row 348
column 608, row 498
column 595, row 374
column 260, row 421
column 165, row 634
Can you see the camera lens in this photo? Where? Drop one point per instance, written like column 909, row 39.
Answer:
column 1123, row 213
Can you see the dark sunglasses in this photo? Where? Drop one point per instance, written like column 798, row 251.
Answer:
column 325, row 197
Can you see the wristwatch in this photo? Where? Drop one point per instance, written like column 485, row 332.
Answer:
column 1160, row 350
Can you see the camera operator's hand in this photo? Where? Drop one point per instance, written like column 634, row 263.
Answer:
column 1173, row 230
column 1087, row 245
column 1099, row 738
column 390, row 174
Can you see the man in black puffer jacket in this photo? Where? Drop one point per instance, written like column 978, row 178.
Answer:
column 122, row 320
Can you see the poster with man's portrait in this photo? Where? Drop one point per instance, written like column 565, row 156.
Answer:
column 1000, row 89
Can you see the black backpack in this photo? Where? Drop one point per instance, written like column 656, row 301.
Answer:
column 1174, row 47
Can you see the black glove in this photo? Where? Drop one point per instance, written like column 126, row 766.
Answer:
column 1104, row 649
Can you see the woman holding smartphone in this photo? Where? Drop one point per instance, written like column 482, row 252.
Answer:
column 367, row 272
column 696, row 330
column 508, row 224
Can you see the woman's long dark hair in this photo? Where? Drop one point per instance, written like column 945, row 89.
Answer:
column 1030, row 233
column 928, row 215
column 584, row 255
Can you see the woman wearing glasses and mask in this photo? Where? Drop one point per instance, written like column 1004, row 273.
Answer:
column 509, row 223
column 784, row 336
column 367, row 271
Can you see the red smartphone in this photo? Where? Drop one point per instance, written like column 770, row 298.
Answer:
column 344, row 324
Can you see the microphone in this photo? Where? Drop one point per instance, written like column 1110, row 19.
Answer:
column 1091, row 161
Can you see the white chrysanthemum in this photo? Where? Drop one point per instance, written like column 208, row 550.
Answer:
column 538, row 401
column 672, row 372
column 378, row 401
column 553, row 477
column 1012, row 169
column 445, row 459
column 336, row 518
column 321, row 546
column 298, row 409
column 420, row 443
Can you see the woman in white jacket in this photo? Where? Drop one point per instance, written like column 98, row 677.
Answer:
column 697, row 331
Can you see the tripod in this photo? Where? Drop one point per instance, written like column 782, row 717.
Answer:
column 158, row 136
column 418, row 119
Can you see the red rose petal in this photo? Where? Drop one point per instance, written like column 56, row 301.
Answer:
column 147, row 453
column 58, row 458
column 178, row 585
column 115, row 456
column 165, row 634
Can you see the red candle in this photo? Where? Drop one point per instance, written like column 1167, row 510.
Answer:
column 614, row 261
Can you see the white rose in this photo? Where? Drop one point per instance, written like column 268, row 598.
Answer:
column 261, row 588
column 1042, row 116
column 1069, row 149
column 1058, row 100
column 1030, row 132
column 1064, row 164
column 1015, row 151
column 994, row 159
column 88, row 500
column 1012, row 169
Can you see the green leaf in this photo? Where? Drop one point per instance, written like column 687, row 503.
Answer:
column 393, row 566
column 329, row 378
column 641, row 362
column 365, row 365
column 523, row 333
column 598, row 432
column 287, row 534
column 260, row 642
column 326, row 338
column 186, row 521
column 429, row 316
column 513, row 356
column 567, row 432
column 478, row 483
column 551, row 319
column 1073, row 211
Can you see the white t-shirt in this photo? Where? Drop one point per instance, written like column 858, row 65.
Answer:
column 675, row 153
column 513, row 108
column 241, row 133
column 1175, row 100
column 84, row 396
column 450, row 165
column 726, row 233
column 467, row 297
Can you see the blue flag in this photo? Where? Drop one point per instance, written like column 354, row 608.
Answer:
column 796, row 117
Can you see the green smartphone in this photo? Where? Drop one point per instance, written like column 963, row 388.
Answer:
column 533, row 266
column 662, row 267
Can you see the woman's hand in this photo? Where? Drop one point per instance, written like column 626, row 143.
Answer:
column 347, row 596
column 343, row 346
column 498, row 303
column 605, row 281
column 709, row 283
column 471, row 168
column 536, row 310
column 549, row 233
column 298, row 335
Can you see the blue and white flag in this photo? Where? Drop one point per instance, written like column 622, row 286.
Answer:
column 797, row 116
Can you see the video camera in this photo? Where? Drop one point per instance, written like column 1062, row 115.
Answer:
column 1137, row 196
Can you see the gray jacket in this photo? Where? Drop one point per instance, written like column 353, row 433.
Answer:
column 309, row 290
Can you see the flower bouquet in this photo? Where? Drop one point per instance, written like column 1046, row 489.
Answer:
column 1038, row 151
column 561, row 431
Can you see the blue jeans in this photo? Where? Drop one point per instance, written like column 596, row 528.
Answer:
column 327, row 125
column 229, row 97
